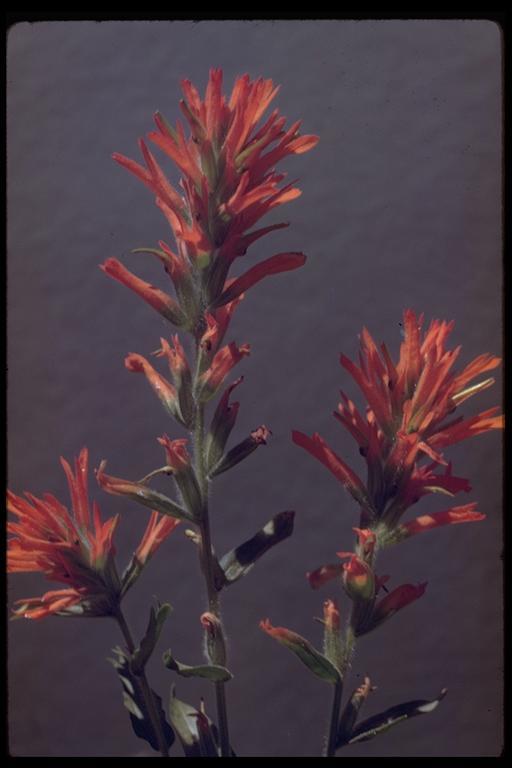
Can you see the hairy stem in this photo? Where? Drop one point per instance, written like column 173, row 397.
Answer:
column 208, row 567
column 147, row 693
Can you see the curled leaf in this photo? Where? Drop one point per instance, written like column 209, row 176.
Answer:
column 213, row 672
column 238, row 562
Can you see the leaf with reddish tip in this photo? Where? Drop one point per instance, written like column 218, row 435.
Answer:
column 318, row 664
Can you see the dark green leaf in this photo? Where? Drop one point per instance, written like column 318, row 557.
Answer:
column 135, row 702
column 197, row 740
column 239, row 561
column 147, row 645
column 371, row 727
column 213, row 672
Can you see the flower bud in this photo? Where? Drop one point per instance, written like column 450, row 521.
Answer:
column 358, row 578
column 179, row 367
column 214, row 639
column 178, row 460
column 241, row 451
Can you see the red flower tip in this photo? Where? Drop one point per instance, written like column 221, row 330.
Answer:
column 135, row 363
column 176, row 452
column 261, row 435
column 366, row 541
column 331, row 616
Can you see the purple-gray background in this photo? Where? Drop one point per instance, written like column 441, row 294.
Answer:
column 400, row 207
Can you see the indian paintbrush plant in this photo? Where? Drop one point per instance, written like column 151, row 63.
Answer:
column 409, row 419
column 227, row 151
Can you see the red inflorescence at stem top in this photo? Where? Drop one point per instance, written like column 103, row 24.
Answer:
column 75, row 549
column 227, row 162
column 409, row 416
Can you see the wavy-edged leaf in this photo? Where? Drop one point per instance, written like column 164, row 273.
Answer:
column 213, row 672
column 238, row 562
column 377, row 724
column 157, row 618
column 302, row 648
column 135, row 702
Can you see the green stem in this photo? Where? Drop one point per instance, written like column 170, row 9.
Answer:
column 208, row 567
column 147, row 693
column 330, row 745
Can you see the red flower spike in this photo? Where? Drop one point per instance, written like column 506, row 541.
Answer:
column 156, row 298
column 227, row 162
column 75, row 548
column 408, row 416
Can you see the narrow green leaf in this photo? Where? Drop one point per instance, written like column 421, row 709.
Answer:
column 157, row 618
column 238, row 562
column 135, row 703
column 371, row 727
column 302, row 648
column 213, row 672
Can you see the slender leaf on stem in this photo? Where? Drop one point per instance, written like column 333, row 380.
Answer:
column 141, row 494
column 318, row 664
column 147, row 645
column 238, row 562
column 213, row 672
column 138, row 705
column 371, row 727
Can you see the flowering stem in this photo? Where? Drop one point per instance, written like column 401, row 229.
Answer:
column 207, row 567
column 147, row 693
column 330, row 745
